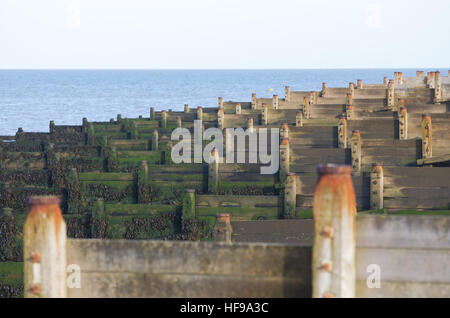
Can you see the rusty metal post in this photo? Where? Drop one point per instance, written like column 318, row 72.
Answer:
column 287, row 93
column 403, row 123
column 290, row 196
column 376, row 186
column 199, row 113
column 264, row 114
column 222, row 228
column 426, row 137
column 342, row 133
column 238, row 109
column 253, row 101
column 44, row 249
column 220, row 118
column 299, row 119
column 334, row 233
column 275, row 102
column 356, row 152
column 284, row 131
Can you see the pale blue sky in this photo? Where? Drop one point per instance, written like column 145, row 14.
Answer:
column 173, row 34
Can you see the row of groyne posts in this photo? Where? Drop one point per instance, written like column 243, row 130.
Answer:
column 46, row 248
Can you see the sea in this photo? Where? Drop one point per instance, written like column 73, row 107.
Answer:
column 30, row 99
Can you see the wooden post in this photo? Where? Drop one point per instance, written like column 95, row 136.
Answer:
column 420, row 75
column 349, row 100
column 44, row 249
column 238, row 108
column 402, row 123
column 349, row 112
column 213, row 172
column 426, row 137
column 284, row 158
column 163, row 119
column 324, row 89
column 155, row 142
column 437, row 88
column 179, row 123
column 356, row 152
column 351, row 88
column 264, row 114
column 390, row 95
column 143, row 193
column 299, row 119
column 250, row 124
column 385, row 80
column 287, row 93
column 342, row 133
column 306, row 107
column 222, row 228
column 376, row 186
column 430, row 79
column 275, row 102
column 253, row 101
column 186, row 108
column 188, row 207
column 284, row 131
column 199, row 113
column 334, row 233
column 290, row 196
column 152, row 113
column 220, row 118
column 220, row 102
column 360, row 84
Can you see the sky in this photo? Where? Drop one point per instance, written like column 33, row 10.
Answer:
column 228, row 34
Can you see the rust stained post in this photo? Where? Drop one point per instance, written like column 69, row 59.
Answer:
column 220, row 102
column 385, row 80
column 238, row 108
column 437, row 88
column 351, row 88
column 290, row 196
column 376, row 186
column 426, row 137
column 334, row 233
column 253, row 101
column 222, row 228
column 360, row 84
column 403, row 123
column 356, row 152
column 275, row 102
column 306, row 107
column 284, row 131
column 390, row 95
column 349, row 112
column 349, row 100
column 264, row 114
column 44, row 249
column 250, row 124
column 430, row 79
column 299, row 119
column 313, row 98
column 342, row 133
column 220, row 118
column 287, row 93
column 284, row 158
column 199, row 113
column 420, row 75
column 324, row 89
column 179, row 123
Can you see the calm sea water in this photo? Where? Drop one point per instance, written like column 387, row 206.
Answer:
column 31, row 98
